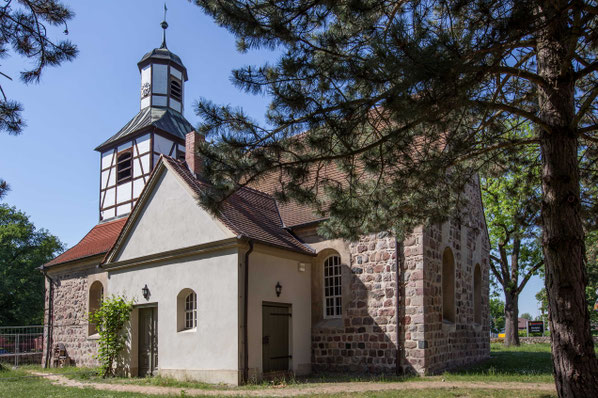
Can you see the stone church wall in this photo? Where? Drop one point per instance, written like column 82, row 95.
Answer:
column 365, row 339
column 449, row 345
column 70, row 308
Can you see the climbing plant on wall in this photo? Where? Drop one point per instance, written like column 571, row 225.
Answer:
column 110, row 319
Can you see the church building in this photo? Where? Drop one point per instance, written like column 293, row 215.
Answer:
column 254, row 290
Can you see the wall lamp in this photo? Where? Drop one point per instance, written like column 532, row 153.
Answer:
column 146, row 292
column 278, row 289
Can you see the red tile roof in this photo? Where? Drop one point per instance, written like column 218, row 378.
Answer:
column 248, row 212
column 97, row 241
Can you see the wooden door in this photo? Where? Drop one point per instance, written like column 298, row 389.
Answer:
column 276, row 320
column 148, row 341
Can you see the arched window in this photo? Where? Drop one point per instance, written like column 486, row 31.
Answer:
column 333, row 306
column 477, row 294
column 448, row 286
column 96, row 294
column 186, row 310
column 124, row 164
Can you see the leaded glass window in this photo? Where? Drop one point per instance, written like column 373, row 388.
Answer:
column 333, row 306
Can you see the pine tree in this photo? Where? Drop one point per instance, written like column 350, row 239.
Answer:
column 409, row 99
column 24, row 26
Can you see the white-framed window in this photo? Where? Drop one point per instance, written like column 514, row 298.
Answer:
column 191, row 311
column 333, row 300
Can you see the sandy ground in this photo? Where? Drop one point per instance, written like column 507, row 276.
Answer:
column 291, row 391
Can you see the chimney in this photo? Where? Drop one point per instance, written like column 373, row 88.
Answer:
column 192, row 158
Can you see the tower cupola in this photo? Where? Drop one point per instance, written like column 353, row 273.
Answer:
column 163, row 77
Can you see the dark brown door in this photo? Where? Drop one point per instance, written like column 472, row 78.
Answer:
column 276, row 320
column 148, row 341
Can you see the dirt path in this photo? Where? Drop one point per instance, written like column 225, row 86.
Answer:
column 290, row 391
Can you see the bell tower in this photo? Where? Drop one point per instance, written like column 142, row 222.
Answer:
column 163, row 77
column 159, row 128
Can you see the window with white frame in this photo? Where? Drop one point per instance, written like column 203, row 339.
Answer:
column 191, row 311
column 333, row 306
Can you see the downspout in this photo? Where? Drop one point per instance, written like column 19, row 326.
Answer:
column 50, row 317
column 399, row 318
column 245, row 315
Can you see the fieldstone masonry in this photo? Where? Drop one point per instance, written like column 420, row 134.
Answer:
column 70, row 326
column 366, row 340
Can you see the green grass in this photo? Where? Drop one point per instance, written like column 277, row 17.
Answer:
column 528, row 363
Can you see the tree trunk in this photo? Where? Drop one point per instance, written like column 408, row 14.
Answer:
column 575, row 364
column 511, row 318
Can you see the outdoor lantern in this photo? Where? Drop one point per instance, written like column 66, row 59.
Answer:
column 146, row 292
column 278, row 289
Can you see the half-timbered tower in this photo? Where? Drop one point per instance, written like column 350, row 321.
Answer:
column 129, row 156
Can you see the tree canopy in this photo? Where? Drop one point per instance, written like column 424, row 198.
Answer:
column 409, row 99
column 23, row 249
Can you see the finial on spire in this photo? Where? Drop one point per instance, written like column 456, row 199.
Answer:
column 164, row 25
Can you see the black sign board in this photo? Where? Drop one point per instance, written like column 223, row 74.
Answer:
column 535, row 327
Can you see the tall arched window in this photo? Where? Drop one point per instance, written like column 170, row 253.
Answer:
column 477, row 294
column 448, row 286
column 333, row 306
column 95, row 296
column 186, row 310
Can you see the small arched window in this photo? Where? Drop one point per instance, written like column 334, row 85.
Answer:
column 477, row 294
column 124, row 166
column 186, row 310
column 333, row 305
column 176, row 91
column 448, row 286
column 96, row 294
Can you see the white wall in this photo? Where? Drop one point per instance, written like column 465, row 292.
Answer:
column 170, row 219
column 265, row 270
column 210, row 352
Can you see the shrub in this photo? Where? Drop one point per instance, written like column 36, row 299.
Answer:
column 110, row 320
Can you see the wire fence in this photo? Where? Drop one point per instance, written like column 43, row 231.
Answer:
column 20, row 345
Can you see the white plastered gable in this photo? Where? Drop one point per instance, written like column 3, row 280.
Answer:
column 167, row 218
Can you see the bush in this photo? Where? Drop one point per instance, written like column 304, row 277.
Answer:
column 110, row 320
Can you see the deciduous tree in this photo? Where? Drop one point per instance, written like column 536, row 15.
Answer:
column 409, row 99
column 23, row 248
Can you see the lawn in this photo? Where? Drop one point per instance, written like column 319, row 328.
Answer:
column 528, row 363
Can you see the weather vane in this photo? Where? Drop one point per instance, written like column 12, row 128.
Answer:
column 164, row 25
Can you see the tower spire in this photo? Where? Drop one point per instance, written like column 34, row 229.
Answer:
column 164, row 25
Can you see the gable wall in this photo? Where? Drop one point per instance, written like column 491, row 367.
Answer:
column 170, row 219
column 207, row 353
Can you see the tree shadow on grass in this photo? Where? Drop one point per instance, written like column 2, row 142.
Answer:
column 516, row 363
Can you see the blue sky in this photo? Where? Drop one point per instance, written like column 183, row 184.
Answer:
column 52, row 167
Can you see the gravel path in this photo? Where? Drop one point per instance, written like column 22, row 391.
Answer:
column 291, row 391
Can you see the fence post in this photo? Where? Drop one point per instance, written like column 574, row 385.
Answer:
column 16, row 350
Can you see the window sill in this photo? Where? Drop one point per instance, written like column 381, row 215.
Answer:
column 94, row 337
column 448, row 326
column 185, row 331
column 330, row 323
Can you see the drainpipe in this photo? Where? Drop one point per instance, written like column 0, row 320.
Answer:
column 399, row 318
column 245, row 315
column 50, row 316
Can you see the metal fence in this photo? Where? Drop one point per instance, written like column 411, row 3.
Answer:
column 21, row 345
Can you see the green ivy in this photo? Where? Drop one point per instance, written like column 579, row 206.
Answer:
column 110, row 320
